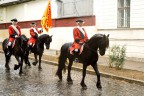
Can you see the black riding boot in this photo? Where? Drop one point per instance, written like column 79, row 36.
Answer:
column 76, row 52
column 9, row 52
column 76, row 60
column 29, row 49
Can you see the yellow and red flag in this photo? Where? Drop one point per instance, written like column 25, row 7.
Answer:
column 46, row 20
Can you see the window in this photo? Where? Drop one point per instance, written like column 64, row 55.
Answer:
column 123, row 14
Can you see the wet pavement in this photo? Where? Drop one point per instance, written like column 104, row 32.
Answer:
column 44, row 83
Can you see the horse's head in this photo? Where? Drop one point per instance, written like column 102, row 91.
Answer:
column 46, row 39
column 104, row 43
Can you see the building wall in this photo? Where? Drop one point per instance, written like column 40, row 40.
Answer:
column 132, row 38
column 102, row 19
column 62, row 15
column 77, row 8
column 32, row 10
column 106, row 14
column 137, row 14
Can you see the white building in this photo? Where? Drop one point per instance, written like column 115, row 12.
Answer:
column 122, row 19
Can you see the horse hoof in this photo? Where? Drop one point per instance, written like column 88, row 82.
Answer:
column 70, row 82
column 27, row 66
column 99, row 86
column 21, row 74
column 40, row 69
column 60, row 77
column 35, row 63
column 7, row 71
column 16, row 67
column 28, row 63
column 100, row 89
column 60, row 80
column 7, row 68
column 84, row 86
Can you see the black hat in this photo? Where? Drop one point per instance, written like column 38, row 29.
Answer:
column 33, row 23
column 79, row 20
column 15, row 20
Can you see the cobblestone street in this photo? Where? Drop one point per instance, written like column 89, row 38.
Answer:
column 44, row 83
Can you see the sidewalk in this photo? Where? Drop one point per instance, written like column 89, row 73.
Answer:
column 103, row 60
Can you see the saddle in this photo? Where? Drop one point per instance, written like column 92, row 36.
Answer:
column 78, row 51
column 6, row 46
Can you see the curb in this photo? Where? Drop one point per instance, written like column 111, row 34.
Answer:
column 130, row 80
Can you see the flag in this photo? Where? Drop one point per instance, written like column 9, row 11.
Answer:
column 46, row 20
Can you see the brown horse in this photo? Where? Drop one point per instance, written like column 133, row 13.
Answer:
column 89, row 56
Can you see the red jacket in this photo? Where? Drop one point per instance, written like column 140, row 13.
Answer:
column 79, row 37
column 12, row 32
column 34, row 35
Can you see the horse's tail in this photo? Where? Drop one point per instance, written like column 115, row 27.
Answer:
column 4, row 44
column 62, row 60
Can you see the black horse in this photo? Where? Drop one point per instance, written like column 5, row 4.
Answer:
column 18, row 51
column 89, row 56
column 38, row 48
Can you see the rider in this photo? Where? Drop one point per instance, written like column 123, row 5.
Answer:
column 34, row 35
column 14, row 32
column 80, row 36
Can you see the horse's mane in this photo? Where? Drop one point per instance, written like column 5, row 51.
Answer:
column 97, row 37
column 23, row 37
column 43, row 36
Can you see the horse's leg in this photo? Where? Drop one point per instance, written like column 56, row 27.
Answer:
column 7, row 59
column 19, row 63
column 26, row 59
column 36, row 61
column 69, row 71
column 83, row 78
column 98, row 76
column 40, row 68
column 61, row 65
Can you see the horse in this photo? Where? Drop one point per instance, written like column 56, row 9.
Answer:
column 38, row 48
column 89, row 56
column 18, row 51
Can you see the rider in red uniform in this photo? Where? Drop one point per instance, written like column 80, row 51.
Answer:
column 80, row 36
column 14, row 32
column 34, row 35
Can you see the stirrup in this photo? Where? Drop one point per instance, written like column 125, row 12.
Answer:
column 76, row 60
column 8, row 53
